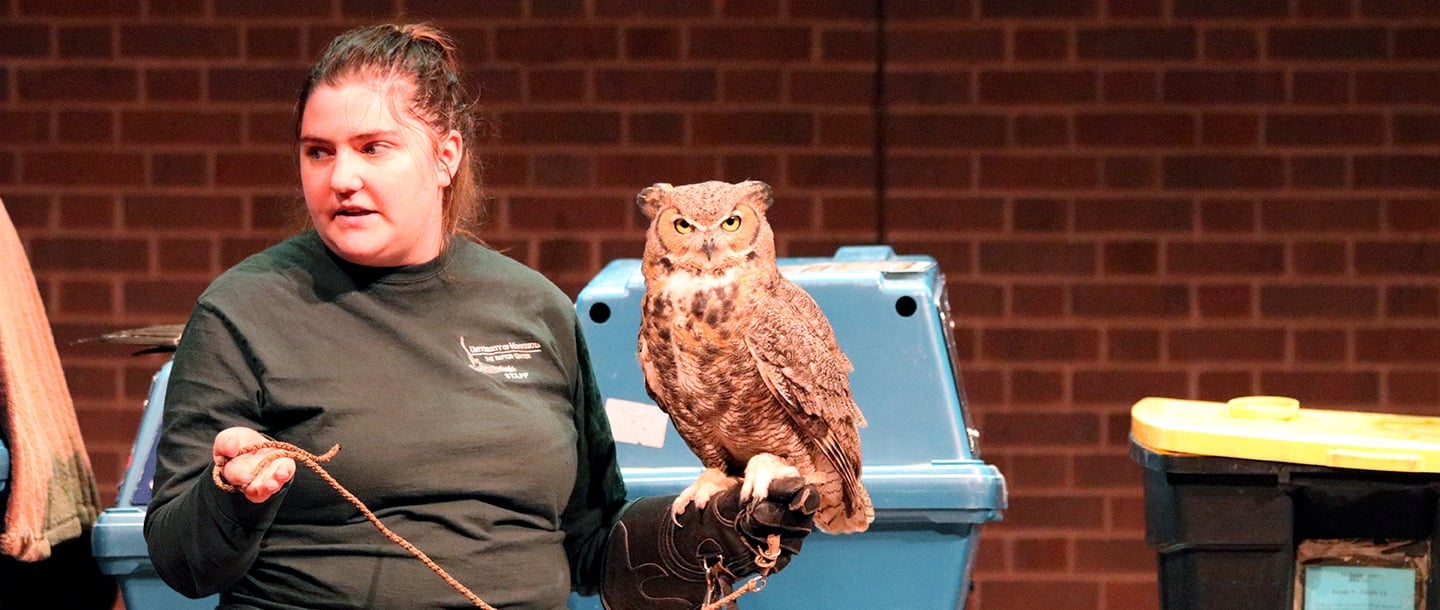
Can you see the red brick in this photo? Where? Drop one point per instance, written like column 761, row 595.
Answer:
column 1038, row 86
column 751, row 8
column 661, row 43
column 1036, row 429
column 559, row 86
column 88, row 212
column 1042, row 9
column 167, row 297
column 179, row 41
column 567, row 213
column 24, row 40
column 1128, row 215
column 1412, row 302
column 1327, row 43
column 1043, row 130
column 1229, row 129
column 177, row 8
column 1231, row 45
column 1122, row 387
column 925, row 88
column 1417, row 129
column 959, row 214
column 255, row 169
column 906, row 44
column 1135, row 130
column 1137, row 44
column 1323, row 388
column 846, row 130
column 847, row 46
column 1226, row 385
column 970, row 130
column 1041, row 554
column 1320, row 172
column 847, row 214
column 1224, row 301
column 1130, row 301
column 1337, row 129
column 235, row 249
column 172, row 85
column 84, row 254
column 1417, row 43
column 1319, row 258
column 183, row 212
column 948, row 254
column 179, row 169
column 832, row 87
column 751, row 42
column 1216, row 172
column 24, row 127
column 1321, row 88
column 655, row 128
column 79, row 8
column 262, row 127
column 1036, row 345
column 1037, row 257
column 651, row 85
column 1132, row 345
column 273, row 43
column 1324, row 302
column 564, row 255
column 180, row 127
column 1397, row 258
column 752, row 128
column 1130, row 172
column 81, row 84
column 83, row 127
column 95, row 297
column 1040, row 44
column 185, row 255
column 1414, row 388
column 751, row 166
column 1224, row 258
column 1186, row 9
column 1115, row 556
column 27, row 211
column 1226, row 345
column 83, row 168
column 83, row 42
column 822, row 9
column 629, row 170
column 1128, row 87
column 939, row 170
column 833, row 171
column 748, row 86
column 1398, row 8
column 1397, row 171
column 562, row 127
column 561, row 170
column 1398, row 86
column 1131, row 258
column 255, row 84
column 1320, row 346
column 368, row 8
column 1038, row 172
column 1412, row 345
column 1223, row 86
column 1040, row 216
column 1037, row 301
column 1029, row 594
column 276, row 213
column 1320, row 215
column 1037, row 387
column 1324, row 8
column 281, row 8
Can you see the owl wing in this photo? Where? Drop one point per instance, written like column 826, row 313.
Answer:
column 809, row 311
column 809, row 379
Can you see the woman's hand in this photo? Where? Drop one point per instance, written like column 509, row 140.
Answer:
column 238, row 468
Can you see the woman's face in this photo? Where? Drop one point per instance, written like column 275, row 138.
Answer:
column 373, row 174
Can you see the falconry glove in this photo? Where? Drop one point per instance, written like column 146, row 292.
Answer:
column 656, row 559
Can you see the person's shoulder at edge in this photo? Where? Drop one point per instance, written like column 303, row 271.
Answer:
column 265, row 271
column 497, row 265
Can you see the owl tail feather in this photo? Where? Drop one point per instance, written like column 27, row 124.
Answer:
column 843, row 509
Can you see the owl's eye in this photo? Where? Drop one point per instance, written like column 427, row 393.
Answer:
column 683, row 226
column 731, row 224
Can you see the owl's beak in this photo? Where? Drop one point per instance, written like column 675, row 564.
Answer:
column 708, row 247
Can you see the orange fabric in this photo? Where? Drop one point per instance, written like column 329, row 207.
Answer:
column 52, row 487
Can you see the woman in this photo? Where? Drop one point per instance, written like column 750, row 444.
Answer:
column 456, row 380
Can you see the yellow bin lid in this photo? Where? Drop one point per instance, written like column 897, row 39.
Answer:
column 1277, row 429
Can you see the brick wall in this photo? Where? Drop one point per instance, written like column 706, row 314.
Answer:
column 1190, row 198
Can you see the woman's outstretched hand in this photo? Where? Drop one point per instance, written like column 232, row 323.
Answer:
column 238, row 468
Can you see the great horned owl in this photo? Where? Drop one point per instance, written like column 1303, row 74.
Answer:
column 742, row 359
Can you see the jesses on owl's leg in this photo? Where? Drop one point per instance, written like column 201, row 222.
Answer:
column 711, row 482
column 760, row 471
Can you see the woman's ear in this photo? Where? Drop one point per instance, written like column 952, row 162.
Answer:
column 448, row 157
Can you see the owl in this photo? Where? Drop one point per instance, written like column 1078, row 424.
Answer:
column 742, row 359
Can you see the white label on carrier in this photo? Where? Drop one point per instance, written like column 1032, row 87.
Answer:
column 637, row 423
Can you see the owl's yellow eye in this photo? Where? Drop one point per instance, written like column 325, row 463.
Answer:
column 683, row 226
column 731, row 224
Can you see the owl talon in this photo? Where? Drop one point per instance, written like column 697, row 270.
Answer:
column 711, row 482
column 760, row 471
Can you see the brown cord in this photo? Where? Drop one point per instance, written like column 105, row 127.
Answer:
column 764, row 559
column 313, row 461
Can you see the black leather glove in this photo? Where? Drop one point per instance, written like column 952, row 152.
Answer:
column 657, row 560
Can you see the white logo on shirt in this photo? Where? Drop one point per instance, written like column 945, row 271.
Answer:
column 499, row 359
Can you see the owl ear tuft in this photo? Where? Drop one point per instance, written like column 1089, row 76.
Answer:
column 760, row 192
column 652, row 196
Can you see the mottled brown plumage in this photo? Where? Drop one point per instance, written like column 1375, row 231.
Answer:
column 742, row 359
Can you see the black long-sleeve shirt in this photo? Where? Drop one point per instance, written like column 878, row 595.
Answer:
column 461, row 393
